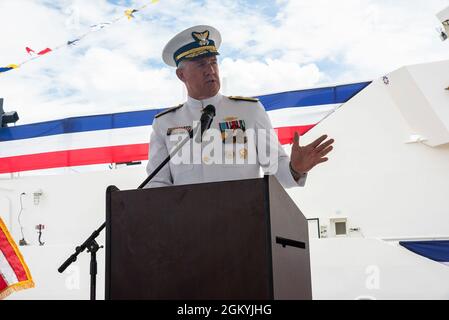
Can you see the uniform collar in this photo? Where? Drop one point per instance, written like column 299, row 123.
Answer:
column 193, row 103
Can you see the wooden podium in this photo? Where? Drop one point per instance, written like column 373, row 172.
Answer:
column 224, row 240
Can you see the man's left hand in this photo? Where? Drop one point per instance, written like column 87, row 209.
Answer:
column 305, row 158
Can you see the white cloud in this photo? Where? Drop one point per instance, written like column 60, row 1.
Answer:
column 109, row 71
column 103, row 73
column 242, row 77
column 366, row 37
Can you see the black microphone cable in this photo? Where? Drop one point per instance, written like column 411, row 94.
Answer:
column 22, row 242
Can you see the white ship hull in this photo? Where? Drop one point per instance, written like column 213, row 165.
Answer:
column 388, row 178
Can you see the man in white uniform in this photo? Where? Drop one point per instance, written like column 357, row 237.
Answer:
column 239, row 150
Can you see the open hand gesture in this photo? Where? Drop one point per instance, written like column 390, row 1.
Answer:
column 305, row 158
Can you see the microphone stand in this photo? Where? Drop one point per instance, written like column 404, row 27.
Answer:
column 175, row 151
column 90, row 243
column 92, row 247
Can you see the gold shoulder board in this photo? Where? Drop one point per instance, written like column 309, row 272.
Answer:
column 243, row 98
column 168, row 110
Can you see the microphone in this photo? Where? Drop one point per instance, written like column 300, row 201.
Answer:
column 206, row 120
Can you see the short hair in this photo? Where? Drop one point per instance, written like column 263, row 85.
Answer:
column 181, row 64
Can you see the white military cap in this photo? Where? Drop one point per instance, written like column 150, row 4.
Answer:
column 191, row 43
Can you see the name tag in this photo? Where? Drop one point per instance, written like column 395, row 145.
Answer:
column 179, row 130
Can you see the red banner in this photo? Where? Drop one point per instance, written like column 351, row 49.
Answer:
column 14, row 273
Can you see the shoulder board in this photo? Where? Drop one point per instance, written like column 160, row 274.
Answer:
column 168, row 110
column 243, row 98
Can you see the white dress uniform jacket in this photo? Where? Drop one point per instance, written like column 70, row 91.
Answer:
column 249, row 113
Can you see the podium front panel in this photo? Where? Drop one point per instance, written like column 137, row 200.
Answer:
column 203, row 241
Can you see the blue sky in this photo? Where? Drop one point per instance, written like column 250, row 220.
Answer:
column 268, row 46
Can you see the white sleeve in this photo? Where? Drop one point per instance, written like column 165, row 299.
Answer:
column 158, row 152
column 279, row 166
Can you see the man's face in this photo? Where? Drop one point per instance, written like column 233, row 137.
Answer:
column 201, row 77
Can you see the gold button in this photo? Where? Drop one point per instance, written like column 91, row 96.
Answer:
column 229, row 154
column 243, row 153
